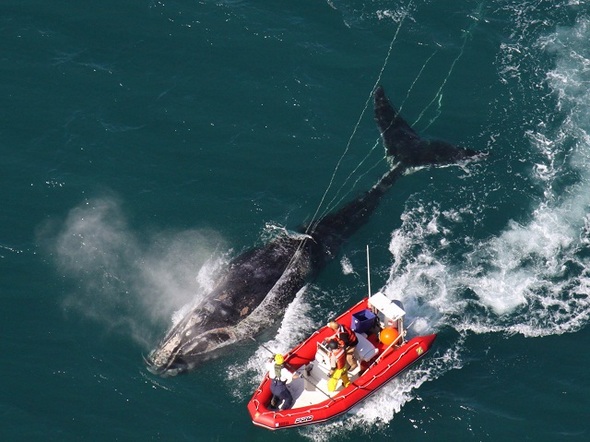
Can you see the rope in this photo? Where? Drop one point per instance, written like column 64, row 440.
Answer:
column 439, row 96
column 335, row 201
column 312, row 223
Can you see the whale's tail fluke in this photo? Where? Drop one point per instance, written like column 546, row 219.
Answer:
column 406, row 146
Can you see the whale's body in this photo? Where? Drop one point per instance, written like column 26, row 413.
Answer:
column 258, row 285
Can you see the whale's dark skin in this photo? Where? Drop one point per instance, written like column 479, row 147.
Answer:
column 257, row 286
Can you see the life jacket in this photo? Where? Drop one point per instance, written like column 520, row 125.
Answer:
column 347, row 336
column 277, row 378
column 338, row 358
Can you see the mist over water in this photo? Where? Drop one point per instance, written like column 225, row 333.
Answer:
column 134, row 284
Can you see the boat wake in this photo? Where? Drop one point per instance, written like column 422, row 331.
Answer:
column 532, row 278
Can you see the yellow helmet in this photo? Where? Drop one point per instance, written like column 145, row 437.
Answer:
column 279, row 359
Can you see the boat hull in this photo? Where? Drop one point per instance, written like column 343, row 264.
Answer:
column 314, row 403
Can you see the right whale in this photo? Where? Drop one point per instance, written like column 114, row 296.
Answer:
column 258, row 285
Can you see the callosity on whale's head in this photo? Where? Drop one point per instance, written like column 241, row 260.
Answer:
column 188, row 344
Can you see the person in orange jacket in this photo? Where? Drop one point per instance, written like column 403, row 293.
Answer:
column 337, row 365
column 348, row 339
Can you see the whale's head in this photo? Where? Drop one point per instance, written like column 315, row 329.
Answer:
column 187, row 345
column 257, row 286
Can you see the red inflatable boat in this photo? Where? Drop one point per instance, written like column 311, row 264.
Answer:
column 382, row 353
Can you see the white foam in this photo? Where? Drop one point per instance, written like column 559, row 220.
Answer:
column 346, row 265
column 529, row 262
column 531, row 278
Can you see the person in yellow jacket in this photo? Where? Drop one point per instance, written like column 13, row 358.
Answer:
column 280, row 377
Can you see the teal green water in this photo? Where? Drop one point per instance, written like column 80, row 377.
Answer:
column 146, row 143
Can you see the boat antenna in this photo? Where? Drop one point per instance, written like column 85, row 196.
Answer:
column 368, row 272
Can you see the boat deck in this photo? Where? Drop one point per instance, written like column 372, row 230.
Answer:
column 312, row 388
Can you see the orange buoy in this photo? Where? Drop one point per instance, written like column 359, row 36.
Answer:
column 388, row 335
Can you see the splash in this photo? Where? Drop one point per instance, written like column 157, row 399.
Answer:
column 533, row 277
column 124, row 284
column 536, row 278
column 346, row 266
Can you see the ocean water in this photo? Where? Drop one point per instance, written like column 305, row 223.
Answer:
column 145, row 143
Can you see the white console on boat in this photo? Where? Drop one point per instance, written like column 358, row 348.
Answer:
column 389, row 312
column 322, row 358
column 364, row 350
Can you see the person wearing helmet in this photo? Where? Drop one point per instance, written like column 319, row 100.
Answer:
column 349, row 340
column 280, row 377
column 337, row 365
